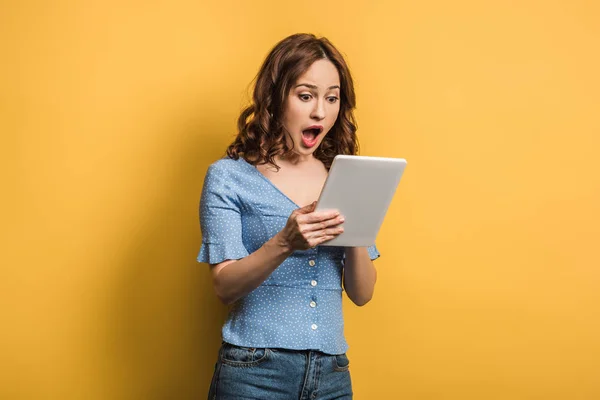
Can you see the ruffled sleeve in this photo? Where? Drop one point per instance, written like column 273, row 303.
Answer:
column 373, row 252
column 220, row 219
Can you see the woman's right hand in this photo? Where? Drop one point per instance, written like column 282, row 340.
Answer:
column 307, row 228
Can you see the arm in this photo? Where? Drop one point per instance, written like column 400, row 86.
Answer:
column 304, row 229
column 249, row 272
column 360, row 275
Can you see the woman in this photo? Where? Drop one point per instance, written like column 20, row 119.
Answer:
column 283, row 338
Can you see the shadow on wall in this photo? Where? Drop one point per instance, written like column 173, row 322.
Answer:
column 165, row 320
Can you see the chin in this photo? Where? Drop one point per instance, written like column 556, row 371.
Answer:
column 307, row 149
column 305, row 152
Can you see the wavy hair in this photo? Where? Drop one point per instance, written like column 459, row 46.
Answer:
column 261, row 134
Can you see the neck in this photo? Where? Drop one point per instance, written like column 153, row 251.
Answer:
column 296, row 159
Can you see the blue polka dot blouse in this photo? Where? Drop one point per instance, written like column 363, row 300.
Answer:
column 299, row 306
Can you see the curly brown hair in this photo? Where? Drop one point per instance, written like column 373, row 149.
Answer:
column 261, row 134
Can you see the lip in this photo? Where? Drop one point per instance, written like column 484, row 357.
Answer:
column 319, row 127
column 308, row 143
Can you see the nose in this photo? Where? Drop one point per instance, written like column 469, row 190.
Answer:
column 318, row 112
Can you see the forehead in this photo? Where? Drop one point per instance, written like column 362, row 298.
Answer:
column 321, row 73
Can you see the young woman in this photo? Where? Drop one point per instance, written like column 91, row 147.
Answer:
column 284, row 337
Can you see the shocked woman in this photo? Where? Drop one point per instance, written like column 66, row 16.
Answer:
column 284, row 336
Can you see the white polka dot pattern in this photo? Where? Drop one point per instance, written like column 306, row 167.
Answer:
column 300, row 305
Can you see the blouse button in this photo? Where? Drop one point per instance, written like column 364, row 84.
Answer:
column 313, row 304
column 312, row 263
column 313, row 283
column 314, row 326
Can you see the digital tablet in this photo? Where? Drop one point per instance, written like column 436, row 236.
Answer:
column 361, row 189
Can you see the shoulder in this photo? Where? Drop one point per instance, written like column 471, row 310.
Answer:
column 228, row 172
column 226, row 166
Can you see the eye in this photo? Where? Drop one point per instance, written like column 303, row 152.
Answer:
column 305, row 97
column 332, row 99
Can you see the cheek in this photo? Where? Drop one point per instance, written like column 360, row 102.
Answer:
column 294, row 113
column 335, row 114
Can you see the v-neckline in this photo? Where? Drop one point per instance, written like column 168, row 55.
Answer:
column 253, row 167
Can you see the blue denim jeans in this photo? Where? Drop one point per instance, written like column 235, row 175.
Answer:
column 243, row 373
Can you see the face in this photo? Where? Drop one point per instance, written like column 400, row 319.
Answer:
column 312, row 107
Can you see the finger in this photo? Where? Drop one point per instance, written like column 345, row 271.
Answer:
column 326, row 238
column 321, row 225
column 307, row 209
column 319, row 216
column 318, row 241
column 325, row 232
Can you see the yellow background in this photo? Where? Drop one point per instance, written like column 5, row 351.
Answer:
column 111, row 111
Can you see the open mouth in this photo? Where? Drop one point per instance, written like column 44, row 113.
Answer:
column 309, row 135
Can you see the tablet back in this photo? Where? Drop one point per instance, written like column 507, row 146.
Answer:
column 361, row 188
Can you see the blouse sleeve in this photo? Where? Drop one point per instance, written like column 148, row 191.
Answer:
column 373, row 252
column 220, row 219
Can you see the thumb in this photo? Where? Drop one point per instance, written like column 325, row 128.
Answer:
column 309, row 208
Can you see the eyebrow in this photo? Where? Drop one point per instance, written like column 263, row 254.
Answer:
column 315, row 86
